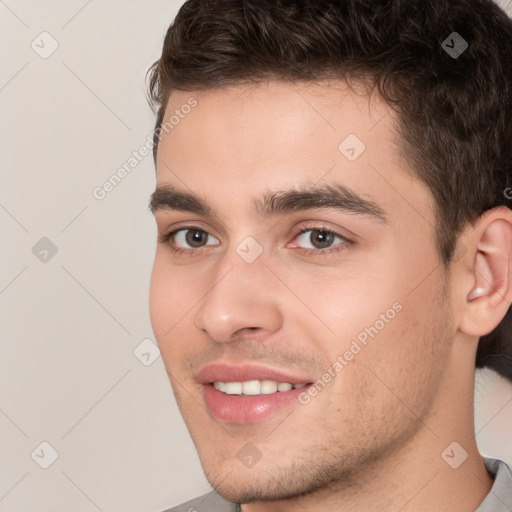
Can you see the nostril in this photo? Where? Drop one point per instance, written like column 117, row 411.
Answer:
column 245, row 331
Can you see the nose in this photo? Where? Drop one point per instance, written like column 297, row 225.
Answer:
column 242, row 297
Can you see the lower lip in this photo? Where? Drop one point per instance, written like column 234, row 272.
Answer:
column 247, row 408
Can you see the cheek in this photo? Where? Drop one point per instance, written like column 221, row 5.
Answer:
column 401, row 367
column 338, row 305
column 160, row 300
column 382, row 297
column 171, row 302
column 379, row 322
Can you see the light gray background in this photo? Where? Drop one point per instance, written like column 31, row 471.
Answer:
column 70, row 325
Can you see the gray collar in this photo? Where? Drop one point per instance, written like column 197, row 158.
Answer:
column 499, row 498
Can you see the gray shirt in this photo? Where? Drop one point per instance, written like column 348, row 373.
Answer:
column 499, row 498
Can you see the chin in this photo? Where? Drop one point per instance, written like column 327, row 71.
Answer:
column 263, row 484
column 249, row 490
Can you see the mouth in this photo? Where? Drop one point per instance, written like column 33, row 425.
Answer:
column 249, row 394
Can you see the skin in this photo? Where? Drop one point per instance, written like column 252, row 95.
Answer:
column 372, row 439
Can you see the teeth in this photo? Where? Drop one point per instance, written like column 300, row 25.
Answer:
column 255, row 387
column 251, row 387
column 233, row 388
column 221, row 386
column 268, row 387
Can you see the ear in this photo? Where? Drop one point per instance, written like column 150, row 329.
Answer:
column 486, row 285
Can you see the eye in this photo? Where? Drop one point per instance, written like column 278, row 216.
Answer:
column 192, row 238
column 315, row 238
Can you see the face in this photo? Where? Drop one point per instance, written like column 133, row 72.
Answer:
column 296, row 291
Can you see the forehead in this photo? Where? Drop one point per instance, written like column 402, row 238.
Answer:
column 277, row 115
column 240, row 140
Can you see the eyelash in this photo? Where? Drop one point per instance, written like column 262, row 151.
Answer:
column 167, row 239
column 324, row 252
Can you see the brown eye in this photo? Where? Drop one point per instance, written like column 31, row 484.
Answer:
column 193, row 238
column 196, row 237
column 319, row 239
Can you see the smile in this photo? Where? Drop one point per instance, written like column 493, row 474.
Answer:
column 255, row 387
column 247, row 393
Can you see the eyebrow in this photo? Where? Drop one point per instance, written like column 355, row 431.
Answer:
column 325, row 196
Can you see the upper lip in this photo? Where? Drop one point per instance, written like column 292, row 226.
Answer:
column 226, row 372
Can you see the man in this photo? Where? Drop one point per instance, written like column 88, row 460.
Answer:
column 334, row 250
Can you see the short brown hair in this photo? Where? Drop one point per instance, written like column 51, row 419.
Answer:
column 454, row 110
